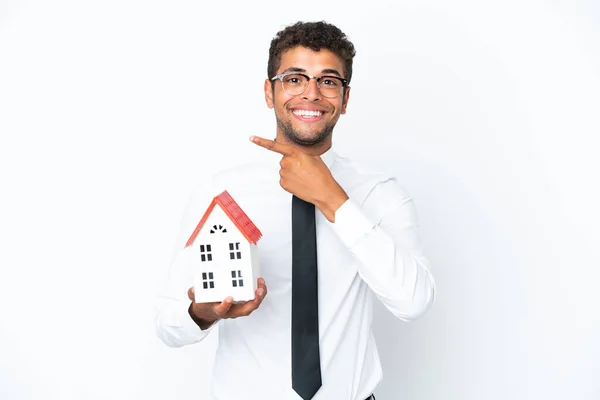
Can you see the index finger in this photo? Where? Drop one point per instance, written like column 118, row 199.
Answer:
column 223, row 307
column 272, row 145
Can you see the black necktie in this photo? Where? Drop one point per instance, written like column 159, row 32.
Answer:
column 306, row 365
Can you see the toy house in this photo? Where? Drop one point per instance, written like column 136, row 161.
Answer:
column 222, row 253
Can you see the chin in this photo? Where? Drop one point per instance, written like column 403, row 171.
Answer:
column 308, row 139
column 296, row 135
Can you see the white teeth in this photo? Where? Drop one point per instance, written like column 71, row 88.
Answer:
column 307, row 113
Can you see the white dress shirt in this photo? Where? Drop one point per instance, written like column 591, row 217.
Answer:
column 372, row 248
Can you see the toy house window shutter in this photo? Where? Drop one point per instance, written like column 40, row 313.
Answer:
column 207, row 280
column 234, row 251
column 205, row 252
column 237, row 279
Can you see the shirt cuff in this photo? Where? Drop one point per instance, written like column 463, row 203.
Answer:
column 350, row 223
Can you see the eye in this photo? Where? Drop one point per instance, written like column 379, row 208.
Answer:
column 293, row 80
column 329, row 81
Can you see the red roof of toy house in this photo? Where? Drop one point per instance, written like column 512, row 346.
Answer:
column 235, row 214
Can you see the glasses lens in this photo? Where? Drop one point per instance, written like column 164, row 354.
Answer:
column 330, row 86
column 294, row 84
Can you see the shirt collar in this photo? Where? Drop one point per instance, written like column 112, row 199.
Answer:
column 328, row 157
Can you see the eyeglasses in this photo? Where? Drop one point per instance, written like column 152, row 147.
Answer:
column 295, row 84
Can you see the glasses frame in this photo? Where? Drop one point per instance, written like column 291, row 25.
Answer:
column 308, row 78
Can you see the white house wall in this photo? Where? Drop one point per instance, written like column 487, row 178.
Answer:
column 255, row 265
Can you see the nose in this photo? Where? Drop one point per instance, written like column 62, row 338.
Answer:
column 312, row 91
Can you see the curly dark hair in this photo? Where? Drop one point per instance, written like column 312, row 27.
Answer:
column 315, row 36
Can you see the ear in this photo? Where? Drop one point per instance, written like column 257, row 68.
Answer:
column 269, row 93
column 345, row 100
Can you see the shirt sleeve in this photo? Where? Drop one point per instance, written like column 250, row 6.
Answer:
column 382, row 235
column 174, row 326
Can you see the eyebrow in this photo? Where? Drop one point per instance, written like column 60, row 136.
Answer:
column 325, row 71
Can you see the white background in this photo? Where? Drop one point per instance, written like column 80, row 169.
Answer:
column 488, row 114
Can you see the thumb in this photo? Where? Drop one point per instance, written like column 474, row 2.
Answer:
column 192, row 294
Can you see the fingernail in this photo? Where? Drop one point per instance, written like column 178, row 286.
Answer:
column 260, row 292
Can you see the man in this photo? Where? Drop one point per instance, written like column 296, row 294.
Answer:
column 308, row 338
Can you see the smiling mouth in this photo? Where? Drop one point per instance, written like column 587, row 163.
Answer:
column 307, row 115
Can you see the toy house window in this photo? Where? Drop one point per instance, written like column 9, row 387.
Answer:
column 207, row 280
column 217, row 229
column 234, row 251
column 205, row 252
column 237, row 278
